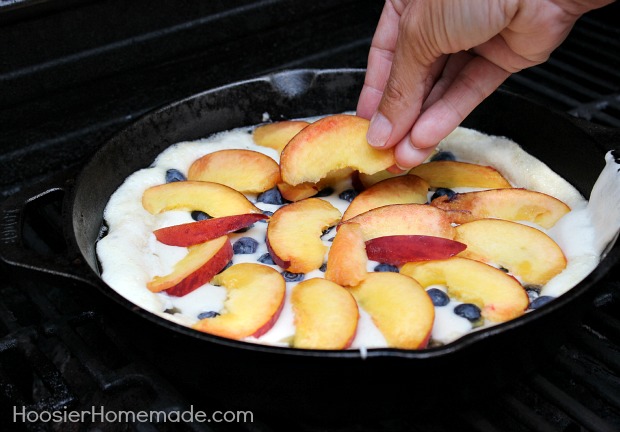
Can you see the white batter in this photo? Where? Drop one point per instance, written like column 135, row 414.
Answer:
column 130, row 255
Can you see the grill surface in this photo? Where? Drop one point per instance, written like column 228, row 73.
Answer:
column 62, row 348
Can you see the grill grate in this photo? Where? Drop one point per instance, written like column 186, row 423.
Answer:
column 582, row 77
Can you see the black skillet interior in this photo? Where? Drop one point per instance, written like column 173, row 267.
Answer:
column 296, row 382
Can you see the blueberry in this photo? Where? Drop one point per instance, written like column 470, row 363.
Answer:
column 386, row 268
column 208, row 314
column 348, row 195
column 271, row 196
column 198, row 215
column 293, row 277
column 173, row 175
column 266, row 259
column 331, row 239
column 325, row 192
column 245, row 245
column 323, row 268
column 533, row 291
column 443, row 191
column 469, row 311
column 540, row 301
column 443, row 156
column 242, row 230
column 438, row 297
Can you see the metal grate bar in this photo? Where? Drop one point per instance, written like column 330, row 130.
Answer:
column 544, row 90
column 571, row 406
column 525, row 415
column 581, row 75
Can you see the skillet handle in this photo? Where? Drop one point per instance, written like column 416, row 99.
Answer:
column 14, row 250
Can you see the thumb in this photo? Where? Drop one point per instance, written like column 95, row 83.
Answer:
column 413, row 72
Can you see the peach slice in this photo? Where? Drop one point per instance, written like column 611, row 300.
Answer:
column 399, row 307
column 294, row 234
column 368, row 180
column 404, row 219
column 212, row 198
column 347, row 260
column 526, row 252
column 400, row 249
column 277, row 135
column 196, row 269
column 307, row 190
column 255, row 300
column 363, row 181
column 326, row 315
column 246, row 171
column 299, row 192
column 449, row 174
column 512, row 204
column 329, row 144
column 397, row 190
column 499, row 296
column 199, row 232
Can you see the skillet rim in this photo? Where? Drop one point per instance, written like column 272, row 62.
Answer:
column 308, row 77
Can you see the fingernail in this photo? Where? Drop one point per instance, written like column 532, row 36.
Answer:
column 408, row 156
column 379, row 130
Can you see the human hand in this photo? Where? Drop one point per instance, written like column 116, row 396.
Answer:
column 432, row 62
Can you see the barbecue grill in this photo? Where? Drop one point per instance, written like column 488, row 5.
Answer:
column 74, row 72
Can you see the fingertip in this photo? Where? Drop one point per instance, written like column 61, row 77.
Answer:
column 395, row 169
column 407, row 155
column 427, row 132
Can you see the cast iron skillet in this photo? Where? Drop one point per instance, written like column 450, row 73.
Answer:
column 318, row 384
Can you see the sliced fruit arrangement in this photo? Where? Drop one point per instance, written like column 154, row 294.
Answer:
column 277, row 135
column 347, row 260
column 450, row 174
column 255, row 300
column 212, row 198
column 500, row 296
column 326, row 315
column 399, row 307
column 294, row 234
column 201, row 231
column 245, row 171
column 407, row 189
column 526, row 252
column 404, row 219
column 451, row 242
column 512, row 204
column 196, row 269
column 400, row 249
column 329, row 144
